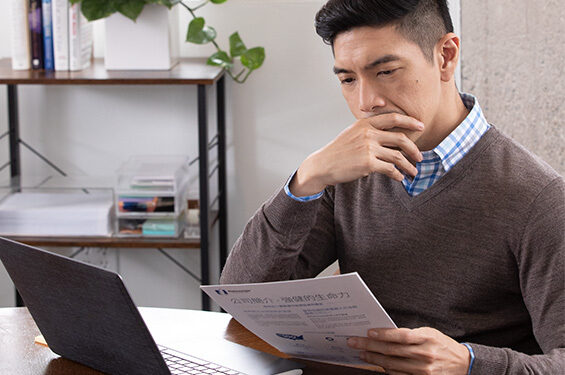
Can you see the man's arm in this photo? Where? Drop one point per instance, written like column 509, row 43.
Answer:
column 291, row 239
column 285, row 239
column 541, row 262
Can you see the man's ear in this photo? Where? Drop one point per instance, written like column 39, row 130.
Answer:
column 447, row 49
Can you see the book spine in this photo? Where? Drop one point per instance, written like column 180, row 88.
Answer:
column 47, row 35
column 74, row 37
column 61, row 34
column 36, row 35
column 86, row 35
column 21, row 57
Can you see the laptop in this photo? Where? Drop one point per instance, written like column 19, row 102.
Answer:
column 86, row 314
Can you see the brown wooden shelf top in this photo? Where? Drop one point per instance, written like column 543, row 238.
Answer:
column 99, row 241
column 188, row 71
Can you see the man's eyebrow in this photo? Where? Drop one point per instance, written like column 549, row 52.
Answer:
column 381, row 60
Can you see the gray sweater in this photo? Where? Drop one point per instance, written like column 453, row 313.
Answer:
column 480, row 255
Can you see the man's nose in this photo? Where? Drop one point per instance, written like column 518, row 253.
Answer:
column 370, row 99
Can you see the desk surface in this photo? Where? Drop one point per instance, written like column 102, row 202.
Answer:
column 20, row 355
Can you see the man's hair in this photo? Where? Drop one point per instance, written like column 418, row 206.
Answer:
column 421, row 21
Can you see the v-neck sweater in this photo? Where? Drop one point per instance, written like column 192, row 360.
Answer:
column 480, row 255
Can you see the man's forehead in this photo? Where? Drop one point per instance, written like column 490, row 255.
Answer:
column 365, row 45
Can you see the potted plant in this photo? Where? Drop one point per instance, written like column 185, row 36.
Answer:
column 197, row 32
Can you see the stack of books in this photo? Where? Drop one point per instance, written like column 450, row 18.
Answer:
column 49, row 35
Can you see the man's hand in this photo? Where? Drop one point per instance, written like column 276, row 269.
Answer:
column 413, row 351
column 365, row 147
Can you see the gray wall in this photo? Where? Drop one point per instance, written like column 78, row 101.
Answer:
column 513, row 53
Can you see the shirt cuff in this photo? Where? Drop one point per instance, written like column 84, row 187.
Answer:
column 472, row 353
column 300, row 199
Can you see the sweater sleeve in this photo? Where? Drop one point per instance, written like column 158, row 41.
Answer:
column 285, row 239
column 541, row 264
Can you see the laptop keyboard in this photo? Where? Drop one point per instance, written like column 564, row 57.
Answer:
column 182, row 363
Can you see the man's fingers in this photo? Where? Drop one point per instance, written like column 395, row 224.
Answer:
column 397, row 158
column 403, row 336
column 388, row 169
column 391, row 364
column 395, row 120
column 385, row 348
column 401, row 141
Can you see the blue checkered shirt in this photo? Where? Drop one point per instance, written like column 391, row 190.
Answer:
column 440, row 160
column 454, row 147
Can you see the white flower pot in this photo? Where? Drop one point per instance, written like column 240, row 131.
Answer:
column 150, row 43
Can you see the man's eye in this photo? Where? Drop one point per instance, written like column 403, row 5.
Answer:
column 346, row 80
column 386, row 72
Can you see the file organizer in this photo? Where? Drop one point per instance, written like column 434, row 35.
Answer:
column 150, row 196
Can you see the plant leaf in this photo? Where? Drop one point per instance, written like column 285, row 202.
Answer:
column 131, row 8
column 218, row 1
column 96, row 9
column 168, row 3
column 74, row 1
column 199, row 34
column 220, row 58
column 253, row 58
column 237, row 48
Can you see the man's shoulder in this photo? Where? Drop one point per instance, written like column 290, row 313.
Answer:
column 512, row 166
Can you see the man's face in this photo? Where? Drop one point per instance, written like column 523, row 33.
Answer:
column 381, row 72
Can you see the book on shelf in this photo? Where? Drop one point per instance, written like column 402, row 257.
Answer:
column 21, row 57
column 80, row 39
column 60, row 12
column 46, row 11
column 36, row 34
column 50, row 35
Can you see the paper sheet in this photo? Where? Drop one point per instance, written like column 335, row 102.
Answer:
column 56, row 214
column 309, row 318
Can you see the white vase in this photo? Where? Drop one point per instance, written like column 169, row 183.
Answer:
column 149, row 43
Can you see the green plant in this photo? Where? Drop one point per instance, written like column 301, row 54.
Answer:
column 198, row 32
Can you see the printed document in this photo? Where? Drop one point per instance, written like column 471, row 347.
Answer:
column 310, row 318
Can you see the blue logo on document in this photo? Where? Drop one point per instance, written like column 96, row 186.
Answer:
column 290, row 337
column 221, row 292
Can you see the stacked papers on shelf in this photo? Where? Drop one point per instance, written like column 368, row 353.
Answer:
column 56, row 214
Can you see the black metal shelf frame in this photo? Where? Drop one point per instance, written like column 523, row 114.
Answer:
column 205, row 174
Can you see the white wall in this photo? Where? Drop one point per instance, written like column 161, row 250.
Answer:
column 289, row 108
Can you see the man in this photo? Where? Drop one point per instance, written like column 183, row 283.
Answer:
column 457, row 230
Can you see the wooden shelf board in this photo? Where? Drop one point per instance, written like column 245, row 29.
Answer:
column 189, row 71
column 99, row 241
column 113, row 241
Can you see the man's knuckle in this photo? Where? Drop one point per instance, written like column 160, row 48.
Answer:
column 403, row 138
column 409, row 336
column 424, row 370
column 428, row 370
column 431, row 356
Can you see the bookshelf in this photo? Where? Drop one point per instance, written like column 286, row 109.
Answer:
column 189, row 71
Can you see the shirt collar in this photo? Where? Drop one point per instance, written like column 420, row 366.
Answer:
column 458, row 143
